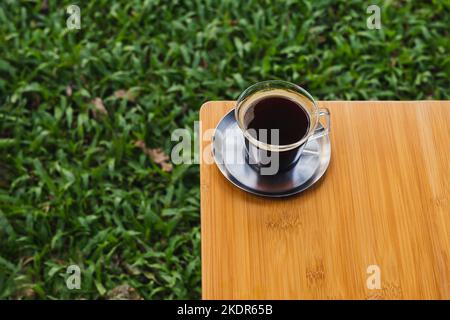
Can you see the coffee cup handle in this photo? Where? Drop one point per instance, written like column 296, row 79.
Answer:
column 324, row 130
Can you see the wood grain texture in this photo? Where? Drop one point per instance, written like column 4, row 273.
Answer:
column 385, row 200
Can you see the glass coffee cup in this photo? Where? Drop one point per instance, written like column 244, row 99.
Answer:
column 277, row 119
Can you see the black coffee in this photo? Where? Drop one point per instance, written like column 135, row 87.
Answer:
column 280, row 113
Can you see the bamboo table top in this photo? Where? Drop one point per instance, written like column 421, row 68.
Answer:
column 384, row 201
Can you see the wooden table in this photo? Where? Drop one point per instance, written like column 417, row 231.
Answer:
column 384, row 201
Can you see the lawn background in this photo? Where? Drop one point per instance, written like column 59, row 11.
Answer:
column 75, row 189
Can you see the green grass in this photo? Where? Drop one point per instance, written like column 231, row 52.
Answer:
column 74, row 189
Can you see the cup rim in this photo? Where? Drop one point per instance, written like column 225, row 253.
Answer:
column 273, row 147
